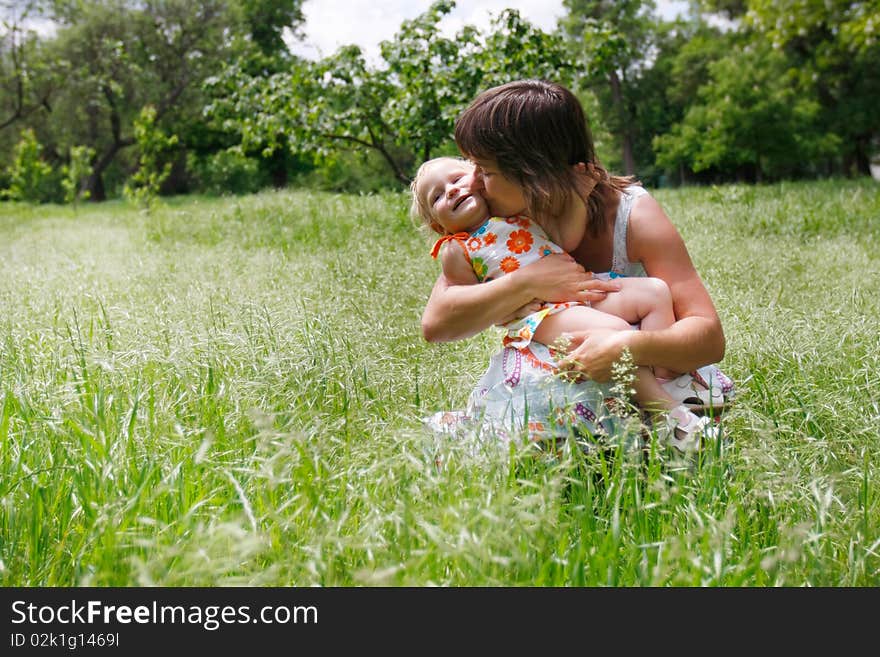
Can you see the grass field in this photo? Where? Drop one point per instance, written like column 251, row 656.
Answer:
column 229, row 392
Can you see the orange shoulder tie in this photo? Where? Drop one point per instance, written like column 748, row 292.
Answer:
column 461, row 237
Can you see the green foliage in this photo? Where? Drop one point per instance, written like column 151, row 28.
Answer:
column 403, row 110
column 76, row 172
column 658, row 95
column 29, row 77
column 351, row 171
column 607, row 150
column 29, row 174
column 431, row 77
column 266, row 21
column 729, row 9
column 513, row 49
column 689, row 62
column 85, row 83
column 226, row 172
column 612, row 42
column 117, row 56
column 835, row 43
column 153, row 145
column 610, row 36
column 756, row 117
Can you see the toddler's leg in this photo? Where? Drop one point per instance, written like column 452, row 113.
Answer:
column 649, row 394
column 645, row 300
column 684, row 430
column 574, row 319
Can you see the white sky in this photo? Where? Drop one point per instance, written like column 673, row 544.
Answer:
column 334, row 23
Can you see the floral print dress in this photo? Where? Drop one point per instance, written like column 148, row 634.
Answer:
column 501, row 246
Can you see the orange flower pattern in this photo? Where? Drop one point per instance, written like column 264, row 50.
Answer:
column 501, row 246
column 509, row 264
column 522, row 222
column 520, row 241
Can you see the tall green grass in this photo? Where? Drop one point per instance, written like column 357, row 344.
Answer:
column 229, row 392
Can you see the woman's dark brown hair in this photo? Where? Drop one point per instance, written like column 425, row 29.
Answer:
column 536, row 132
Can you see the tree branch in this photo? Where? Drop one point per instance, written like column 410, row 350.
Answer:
column 376, row 146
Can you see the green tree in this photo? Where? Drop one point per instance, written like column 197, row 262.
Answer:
column 75, row 174
column 729, row 9
column 429, row 76
column 663, row 91
column 153, row 146
column 27, row 80
column 757, row 118
column 121, row 55
column 684, row 51
column 127, row 57
column 29, row 173
column 513, row 48
column 836, row 43
column 403, row 109
column 612, row 41
column 266, row 20
column 264, row 23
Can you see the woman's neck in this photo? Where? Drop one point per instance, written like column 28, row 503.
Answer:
column 594, row 249
column 569, row 226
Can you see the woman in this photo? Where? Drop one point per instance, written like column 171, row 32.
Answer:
column 535, row 156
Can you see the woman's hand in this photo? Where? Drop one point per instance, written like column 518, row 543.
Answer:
column 592, row 353
column 532, row 306
column 558, row 278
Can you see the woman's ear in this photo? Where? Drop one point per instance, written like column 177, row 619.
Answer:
column 580, row 167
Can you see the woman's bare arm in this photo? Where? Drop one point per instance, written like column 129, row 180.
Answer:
column 695, row 339
column 454, row 312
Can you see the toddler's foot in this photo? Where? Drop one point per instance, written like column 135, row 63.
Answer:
column 695, row 393
column 686, row 431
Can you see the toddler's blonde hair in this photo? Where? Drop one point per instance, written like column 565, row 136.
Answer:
column 420, row 210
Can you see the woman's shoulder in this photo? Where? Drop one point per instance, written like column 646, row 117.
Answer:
column 650, row 229
column 635, row 190
column 622, row 203
column 630, row 205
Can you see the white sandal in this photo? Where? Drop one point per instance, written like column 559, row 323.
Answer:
column 686, row 431
column 694, row 393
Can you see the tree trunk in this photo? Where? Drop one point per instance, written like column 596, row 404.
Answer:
column 629, row 163
column 277, row 166
column 95, row 187
column 95, row 182
column 863, row 156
